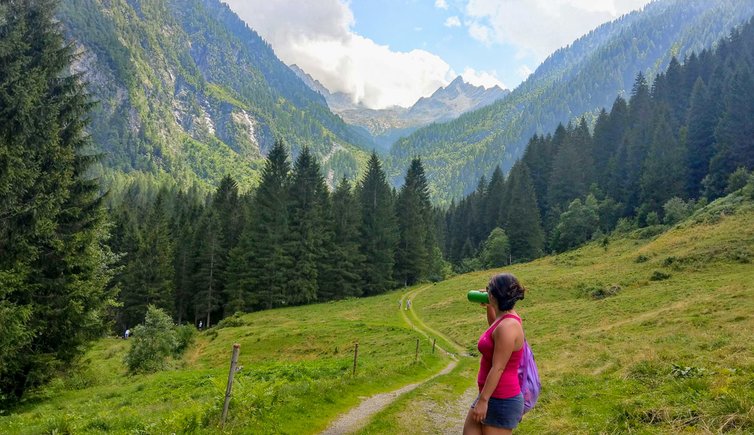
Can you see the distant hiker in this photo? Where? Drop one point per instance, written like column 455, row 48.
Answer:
column 500, row 404
column 200, row 324
column 400, row 304
column 408, row 304
column 126, row 334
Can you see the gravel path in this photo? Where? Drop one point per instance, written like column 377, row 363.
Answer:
column 358, row 417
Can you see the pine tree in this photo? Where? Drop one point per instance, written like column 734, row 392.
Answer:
column 524, row 230
column 608, row 135
column 308, row 232
column 416, row 227
column 340, row 277
column 226, row 203
column 184, row 230
column 572, row 168
column 664, row 174
column 263, row 265
column 627, row 164
column 238, row 281
column 700, row 140
column 495, row 198
column 378, row 229
column 53, row 267
column 148, row 276
column 734, row 133
column 210, row 254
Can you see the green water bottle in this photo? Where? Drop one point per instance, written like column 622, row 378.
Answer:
column 478, row 296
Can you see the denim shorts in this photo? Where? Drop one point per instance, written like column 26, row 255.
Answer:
column 503, row 413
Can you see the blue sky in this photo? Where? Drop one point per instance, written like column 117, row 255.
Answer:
column 392, row 52
column 405, row 25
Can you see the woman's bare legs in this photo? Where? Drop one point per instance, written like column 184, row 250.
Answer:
column 470, row 427
column 491, row 430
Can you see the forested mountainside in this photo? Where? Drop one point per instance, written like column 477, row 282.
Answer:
column 578, row 79
column 385, row 126
column 653, row 159
column 188, row 89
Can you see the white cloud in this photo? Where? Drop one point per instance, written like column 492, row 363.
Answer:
column 487, row 79
column 318, row 37
column 541, row 26
column 481, row 33
column 453, row 21
column 442, row 4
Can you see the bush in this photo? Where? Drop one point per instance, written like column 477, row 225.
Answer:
column 184, row 335
column 659, row 276
column 605, row 292
column 496, row 250
column 749, row 188
column 152, row 342
column 652, row 219
column 233, row 321
column 625, row 225
column 737, row 180
column 676, row 210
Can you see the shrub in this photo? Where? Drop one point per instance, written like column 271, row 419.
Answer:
column 659, row 276
column 625, row 225
column 676, row 210
column 184, row 336
column 152, row 342
column 605, row 292
column 233, row 321
column 652, row 219
column 496, row 250
column 641, row 259
column 737, row 180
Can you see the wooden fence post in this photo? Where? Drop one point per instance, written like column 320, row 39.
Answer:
column 434, row 342
column 355, row 357
column 416, row 358
column 231, row 374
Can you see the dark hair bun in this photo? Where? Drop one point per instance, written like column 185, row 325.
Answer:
column 507, row 290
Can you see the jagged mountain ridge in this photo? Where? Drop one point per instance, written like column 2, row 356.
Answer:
column 387, row 125
column 578, row 79
column 186, row 89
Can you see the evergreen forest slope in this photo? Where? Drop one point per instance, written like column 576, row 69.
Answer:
column 646, row 334
column 579, row 79
column 188, row 89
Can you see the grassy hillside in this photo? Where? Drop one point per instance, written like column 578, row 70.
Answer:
column 650, row 334
column 296, row 376
column 670, row 352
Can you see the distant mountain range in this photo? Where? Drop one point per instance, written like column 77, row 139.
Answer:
column 388, row 125
column 576, row 80
column 186, row 90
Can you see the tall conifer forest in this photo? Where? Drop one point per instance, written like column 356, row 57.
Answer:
column 678, row 142
column 290, row 241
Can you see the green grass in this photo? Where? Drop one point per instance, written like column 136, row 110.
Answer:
column 618, row 351
column 650, row 356
column 295, row 376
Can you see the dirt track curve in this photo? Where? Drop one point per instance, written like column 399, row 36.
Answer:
column 359, row 416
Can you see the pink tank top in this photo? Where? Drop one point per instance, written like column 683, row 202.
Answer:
column 508, row 385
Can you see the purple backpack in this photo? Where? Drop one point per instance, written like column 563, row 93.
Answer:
column 528, row 378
